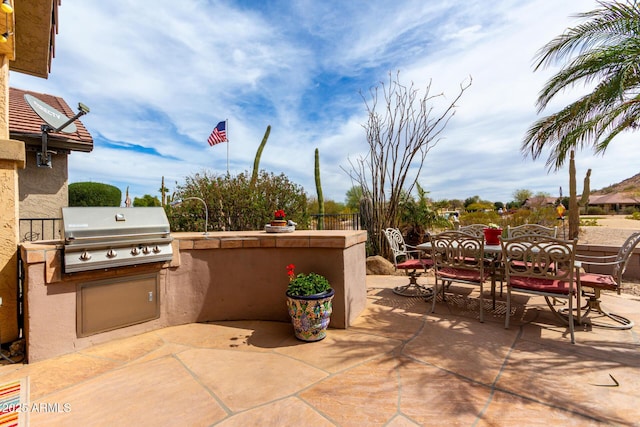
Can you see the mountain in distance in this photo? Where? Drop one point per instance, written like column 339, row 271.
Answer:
column 629, row 185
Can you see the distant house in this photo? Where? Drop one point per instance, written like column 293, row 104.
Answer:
column 539, row 202
column 615, row 202
column 43, row 190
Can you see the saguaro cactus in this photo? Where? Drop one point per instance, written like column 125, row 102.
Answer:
column 256, row 161
column 574, row 204
column 319, row 191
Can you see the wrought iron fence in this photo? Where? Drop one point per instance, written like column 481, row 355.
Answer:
column 335, row 221
column 32, row 229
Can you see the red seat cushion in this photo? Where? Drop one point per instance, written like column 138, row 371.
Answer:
column 601, row 281
column 415, row 264
column 540, row 285
column 462, row 274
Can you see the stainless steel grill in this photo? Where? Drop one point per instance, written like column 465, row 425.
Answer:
column 106, row 237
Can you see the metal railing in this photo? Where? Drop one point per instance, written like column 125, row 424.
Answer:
column 32, row 229
column 335, row 221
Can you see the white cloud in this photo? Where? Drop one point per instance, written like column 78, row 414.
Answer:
column 159, row 78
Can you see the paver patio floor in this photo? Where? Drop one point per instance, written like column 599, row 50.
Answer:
column 399, row 365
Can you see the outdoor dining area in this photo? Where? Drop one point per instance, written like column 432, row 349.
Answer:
column 530, row 259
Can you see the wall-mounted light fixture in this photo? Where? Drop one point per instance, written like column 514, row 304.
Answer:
column 206, row 210
column 4, row 37
column 6, row 6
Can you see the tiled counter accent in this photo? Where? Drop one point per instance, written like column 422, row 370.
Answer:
column 219, row 276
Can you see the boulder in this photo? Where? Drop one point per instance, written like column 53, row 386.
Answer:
column 377, row 265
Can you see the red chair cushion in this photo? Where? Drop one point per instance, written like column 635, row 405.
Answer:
column 462, row 274
column 415, row 264
column 540, row 285
column 601, row 281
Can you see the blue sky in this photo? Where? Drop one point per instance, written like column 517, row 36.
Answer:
column 159, row 76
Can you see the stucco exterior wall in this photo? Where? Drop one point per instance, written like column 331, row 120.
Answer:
column 43, row 191
column 12, row 158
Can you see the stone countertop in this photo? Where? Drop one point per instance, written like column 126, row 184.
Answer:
column 262, row 239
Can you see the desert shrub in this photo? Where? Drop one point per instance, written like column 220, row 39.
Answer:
column 146, row 201
column 595, row 210
column 629, row 210
column 234, row 204
column 546, row 216
column 634, row 215
column 480, row 217
column 588, row 222
column 94, row 194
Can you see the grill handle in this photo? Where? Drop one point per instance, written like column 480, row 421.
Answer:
column 117, row 236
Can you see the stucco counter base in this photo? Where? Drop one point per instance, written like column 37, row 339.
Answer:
column 219, row 276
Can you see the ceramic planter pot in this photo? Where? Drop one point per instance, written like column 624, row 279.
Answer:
column 310, row 315
column 491, row 236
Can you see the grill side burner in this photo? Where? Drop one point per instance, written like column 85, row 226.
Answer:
column 107, row 237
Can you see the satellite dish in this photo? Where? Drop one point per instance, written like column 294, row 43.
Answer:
column 50, row 115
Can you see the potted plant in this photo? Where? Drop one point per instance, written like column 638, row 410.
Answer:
column 309, row 302
column 279, row 220
column 492, row 233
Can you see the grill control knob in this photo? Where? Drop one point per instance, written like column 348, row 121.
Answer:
column 85, row 256
column 146, row 250
column 135, row 251
column 156, row 250
column 111, row 253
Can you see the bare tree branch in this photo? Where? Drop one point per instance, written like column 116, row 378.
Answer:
column 401, row 129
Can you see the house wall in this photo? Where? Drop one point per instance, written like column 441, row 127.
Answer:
column 12, row 158
column 43, row 191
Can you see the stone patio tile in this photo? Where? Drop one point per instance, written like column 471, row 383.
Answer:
column 391, row 322
column 286, row 412
column 126, row 349
column 242, row 380
column 431, row 396
column 509, row 410
column 161, row 392
column 241, row 335
column 568, row 379
column 168, row 349
column 401, row 421
column 472, row 349
column 365, row 395
column 50, row 375
column 341, row 349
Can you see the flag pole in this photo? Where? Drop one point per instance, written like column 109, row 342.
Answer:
column 226, row 126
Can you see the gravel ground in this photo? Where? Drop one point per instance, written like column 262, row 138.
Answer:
column 611, row 230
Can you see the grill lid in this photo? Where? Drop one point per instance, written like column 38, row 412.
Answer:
column 107, row 237
column 113, row 223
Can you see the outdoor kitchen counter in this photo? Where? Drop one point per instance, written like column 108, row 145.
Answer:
column 243, row 275
column 213, row 277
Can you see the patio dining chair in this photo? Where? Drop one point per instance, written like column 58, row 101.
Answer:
column 525, row 230
column 459, row 257
column 531, row 229
column 473, row 229
column 542, row 266
column 610, row 281
column 411, row 260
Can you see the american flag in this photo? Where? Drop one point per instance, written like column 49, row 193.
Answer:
column 219, row 134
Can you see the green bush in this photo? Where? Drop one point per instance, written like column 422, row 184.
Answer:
column 635, row 215
column 94, row 194
column 629, row 210
column 588, row 222
column 234, row 204
column 146, row 201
